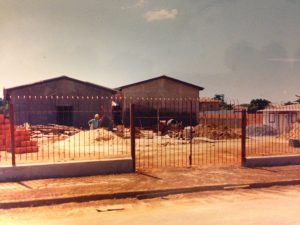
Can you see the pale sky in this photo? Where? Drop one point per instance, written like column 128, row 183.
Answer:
column 244, row 49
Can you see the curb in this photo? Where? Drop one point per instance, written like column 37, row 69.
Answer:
column 140, row 194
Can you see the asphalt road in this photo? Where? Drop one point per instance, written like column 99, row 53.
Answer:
column 277, row 205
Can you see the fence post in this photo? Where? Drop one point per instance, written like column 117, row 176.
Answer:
column 158, row 119
column 191, row 135
column 132, row 135
column 12, row 134
column 243, row 141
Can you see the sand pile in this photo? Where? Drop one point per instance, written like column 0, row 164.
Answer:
column 90, row 137
column 148, row 134
column 261, row 130
column 292, row 132
column 215, row 132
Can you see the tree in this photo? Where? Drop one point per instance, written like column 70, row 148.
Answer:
column 219, row 97
column 223, row 104
column 298, row 99
column 289, row 103
column 258, row 104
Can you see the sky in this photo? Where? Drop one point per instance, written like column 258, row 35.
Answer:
column 243, row 49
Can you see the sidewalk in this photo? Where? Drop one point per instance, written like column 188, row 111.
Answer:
column 156, row 182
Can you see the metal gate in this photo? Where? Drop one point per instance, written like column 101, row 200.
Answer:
column 179, row 135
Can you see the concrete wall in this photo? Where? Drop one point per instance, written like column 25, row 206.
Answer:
column 281, row 160
column 69, row 169
column 228, row 122
column 43, row 111
column 209, row 106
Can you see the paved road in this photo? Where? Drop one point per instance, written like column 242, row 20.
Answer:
column 277, row 205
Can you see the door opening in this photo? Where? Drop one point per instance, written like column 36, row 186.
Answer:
column 64, row 115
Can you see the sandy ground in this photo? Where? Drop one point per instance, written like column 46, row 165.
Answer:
column 276, row 205
column 147, row 179
column 159, row 151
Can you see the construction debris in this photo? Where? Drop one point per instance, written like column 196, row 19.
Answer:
column 124, row 132
column 53, row 129
column 188, row 132
column 294, row 143
column 215, row 132
column 293, row 132
column 110, row 208
column 50, row 133
column 261, row 130
column 172, row 128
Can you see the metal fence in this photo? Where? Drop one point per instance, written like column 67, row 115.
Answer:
column 55, row 129
column 155, row 132
column 274, row 131
column 172, row 134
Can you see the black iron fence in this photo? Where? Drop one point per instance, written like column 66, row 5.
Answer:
column 183, row 138
column 157, row 132
column 58, row 128
column 274, row 131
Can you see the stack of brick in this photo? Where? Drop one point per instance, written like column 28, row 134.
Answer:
column 4, row 126
column 23, row 144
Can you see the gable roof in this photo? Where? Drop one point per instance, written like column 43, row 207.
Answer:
column 160, row 77
column 60, row 78
column 284, row 108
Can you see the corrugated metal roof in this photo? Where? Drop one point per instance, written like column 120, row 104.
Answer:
column 283, row 108
column 60, row 78
column 160, row 77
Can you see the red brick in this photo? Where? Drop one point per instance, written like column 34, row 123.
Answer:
column 29, row 149
column 1, row 118
column 28, row 143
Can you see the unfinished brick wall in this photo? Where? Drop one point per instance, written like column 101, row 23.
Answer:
column 23, row 144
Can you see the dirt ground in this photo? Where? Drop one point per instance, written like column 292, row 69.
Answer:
column 157, row 151
column 276, row 205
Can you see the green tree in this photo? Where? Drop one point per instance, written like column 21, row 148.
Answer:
column 219, row 97
column 289, row 103
column 258, row 104
column 298, row 99
column 223, row 104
